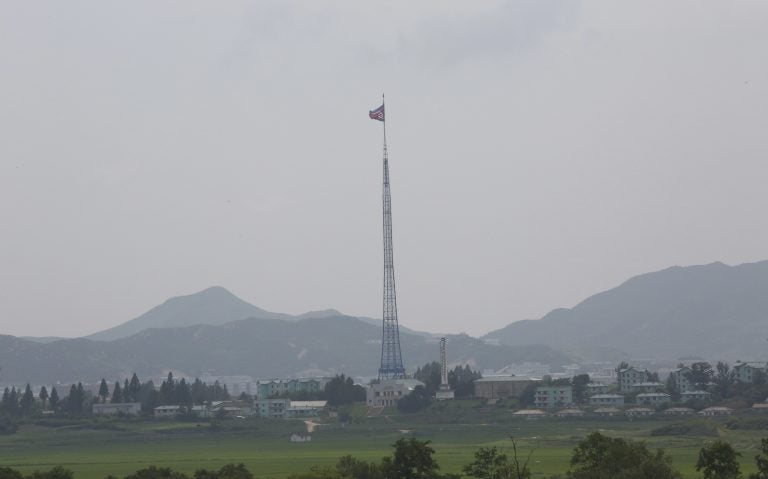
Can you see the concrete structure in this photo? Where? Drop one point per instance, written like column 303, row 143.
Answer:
column 760, row 407
column 283, row 387
column 167, row 411
column 653, row 399
column 549, row 397
column 679, row 376
column 300, row 438
column 679, row 411
column 530, row 413
column 647, row 387
column 274, row 408
column 445, row 392
column 695, row 395
column 629, row 377
column 502, row 387
column 639, row 412
column 570, row 413
column 606, row 400
column 745, row 371
column 109, row 409
column 716, row 411
column 596, row 388
column 305, row 408
column 388, row 392
column 608, row 411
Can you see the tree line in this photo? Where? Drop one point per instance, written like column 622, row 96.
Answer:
column 460, row 379
column 17, row 403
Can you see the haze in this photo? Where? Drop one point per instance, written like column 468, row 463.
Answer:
column 541, row 151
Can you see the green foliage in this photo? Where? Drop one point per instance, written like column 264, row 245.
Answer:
column 719, row 461
column 8, row 473
column 430, row 374
column 229, row 471
column 412, row 459
column 153, row 472
column 462, row 380
column 687, row 428
column 603, row 457
column 342, row 390
column 415, row 401
column 487, row 464
column 57, row 472
column 761, row 461
column 701, row 374
column 348, row 466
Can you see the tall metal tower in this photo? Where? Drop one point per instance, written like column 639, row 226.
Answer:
column 391, row 357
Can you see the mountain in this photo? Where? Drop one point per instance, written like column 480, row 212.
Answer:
column 261, row 348
column 213, row 306
column 715, row 311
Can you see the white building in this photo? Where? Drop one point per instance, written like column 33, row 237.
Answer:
column 167, row 411
column 630, row 376
column 697, row 395
column 606, row 400
column 108, row 409
column 653, row 399
column 389, row 391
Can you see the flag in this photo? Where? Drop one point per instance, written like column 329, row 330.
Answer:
column 377, row 114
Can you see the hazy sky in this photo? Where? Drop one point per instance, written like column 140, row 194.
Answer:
column 541, row 151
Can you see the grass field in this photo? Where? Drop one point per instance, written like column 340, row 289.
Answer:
column 118, row 448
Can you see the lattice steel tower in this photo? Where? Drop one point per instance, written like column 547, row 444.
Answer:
column 391, row 357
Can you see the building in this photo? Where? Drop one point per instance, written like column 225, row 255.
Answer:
column 606, row 400
column 695, row 395
column 607, row 411
column 167, row 411
column 108, row 409
column 305, row 408
column 388, row 392
column 300, row 438
column 549, row 397
column 760, row 407
column 716, row 411
column 639, row 412
column 653, row 399
column 596, row 388
column 647, row 387
column 502, row 387
column 631, row 376
column 274, row 408
column 530, row 413
column 680, row 378
column 284, row 387
column 570, row 413
column 745, row 372
column 679, row 411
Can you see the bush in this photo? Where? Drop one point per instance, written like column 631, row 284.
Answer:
column 690, row 428
column 8, row 425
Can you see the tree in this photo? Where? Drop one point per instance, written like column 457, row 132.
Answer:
column 412, row 459
column 228, row 471
column 43, row 395
column 8, row 473
column 462, row 380
column 57, row 472
column 761, row 461
column 153, row 472
column 117, row 393
column 719, row 461
column 342, row 390
column 134, row 387
column 603, row 457
column 579, row 385
column 431, row 375
column 348, row 466
column 54, row 399
column 27, row 401
column 700, row 374
column 414, row 401
column 103, row 390
column 487, row 464
column 725, row 378
column 622, row 366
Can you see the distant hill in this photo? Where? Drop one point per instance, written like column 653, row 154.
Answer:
column 214, row 306
column 714, row 311
column 261, row 348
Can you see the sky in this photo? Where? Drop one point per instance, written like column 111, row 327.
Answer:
column 541, row 151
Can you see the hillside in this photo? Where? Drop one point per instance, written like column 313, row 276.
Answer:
column 261, row 348
column 715, row 311
column 214, row 305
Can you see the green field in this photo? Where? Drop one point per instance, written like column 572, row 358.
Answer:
column 98, row 448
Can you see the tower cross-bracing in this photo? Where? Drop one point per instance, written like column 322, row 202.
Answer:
column 391, row 356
